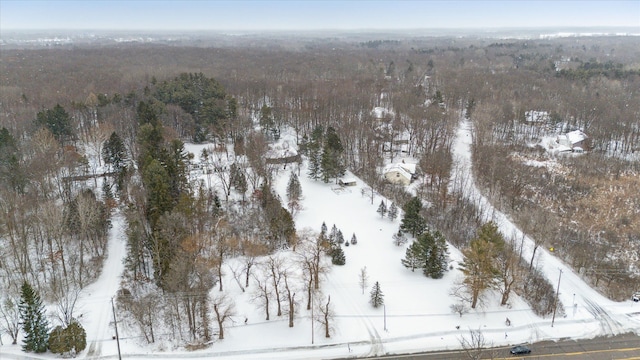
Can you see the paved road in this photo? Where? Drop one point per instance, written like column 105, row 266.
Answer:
column 602, row 348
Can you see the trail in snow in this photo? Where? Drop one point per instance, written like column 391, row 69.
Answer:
column 95, row 302
column 572, row 287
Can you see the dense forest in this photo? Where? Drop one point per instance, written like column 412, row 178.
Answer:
column 66, row 112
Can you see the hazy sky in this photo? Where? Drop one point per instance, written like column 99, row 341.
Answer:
column 311, row 15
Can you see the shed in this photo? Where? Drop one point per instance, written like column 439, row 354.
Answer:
column 347, row 182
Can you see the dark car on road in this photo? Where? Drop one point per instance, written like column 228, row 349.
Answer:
column 519, row 350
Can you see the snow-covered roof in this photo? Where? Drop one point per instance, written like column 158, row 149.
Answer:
column 411, row 168
column 576, row 136
column 397, row 168
column 380, row 112
column 281, row 150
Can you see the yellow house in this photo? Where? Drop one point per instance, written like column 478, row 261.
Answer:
column 397, row 174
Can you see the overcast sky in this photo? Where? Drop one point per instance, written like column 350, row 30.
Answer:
column 312, row 15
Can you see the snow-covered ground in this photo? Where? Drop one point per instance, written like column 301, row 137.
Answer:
column 416, row 316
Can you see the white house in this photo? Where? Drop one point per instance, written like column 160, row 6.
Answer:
column 575, row 140
column 399, row 173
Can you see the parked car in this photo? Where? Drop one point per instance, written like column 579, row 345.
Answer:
column 636, row 296
column 519, row 350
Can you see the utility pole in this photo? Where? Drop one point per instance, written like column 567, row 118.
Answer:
column 555, row 306
column 115, row 323
column 384, row 309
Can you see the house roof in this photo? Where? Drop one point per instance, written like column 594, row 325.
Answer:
column 397, row 168
column 576, row 136
column 279, row 152
column 380, row 112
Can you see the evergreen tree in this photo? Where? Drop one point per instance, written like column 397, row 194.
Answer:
column 114, row 152
column 57, row 343
column 331, row 162
column 393, row 211
column 33, row 320
column 429, row 253
column 382, row 209
column 314, row 149
column 354, row 240
column 323, row 229
column 412, row 257
column 12, row 174
column 333, row 235
column 377, row 297
column 294, row 191
column 479, row 266
column 303, row 146
column 399, row 239
column 436, row 262
column 337, row 256
column 76, row 337
column 106, row 189
column 412, row 221
column 57, row 120
column 266, row 118
column 340, row 238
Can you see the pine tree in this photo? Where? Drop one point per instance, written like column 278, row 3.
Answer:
column 294, row 191
column 333, row 235
column 303, row 146
column 340, row 238
column 399, row 239
column 323, row 229
column 412, row 258
column 114, row 152
column 393, row 211
column 337, row 256
column 354, row 240
column 76, row 337
column 436, row 262
column 57, row 343
column 314, row 151
column 57, row 120
column 33, row 320
column 382, row 209
column 478, row 266
column 331, row 163
column 429, row 253
column 377, row 297
column 412, row 221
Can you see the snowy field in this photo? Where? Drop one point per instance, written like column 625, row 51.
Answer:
column 416, row 316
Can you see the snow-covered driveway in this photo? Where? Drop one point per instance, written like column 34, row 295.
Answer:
column 579, row 299
column 95, row 300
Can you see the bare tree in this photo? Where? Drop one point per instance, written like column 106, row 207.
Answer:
column 274, row 266
column 252, row 250
column 224, row 308
column 507, row 266
column 474, row 346
column 144, row 313
column 262, row 292
column 291, row 296
column 310, row 250
column 459, row 308
column 363, row 279
column 66, row 298
column 10, row 316
column 326, row 316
